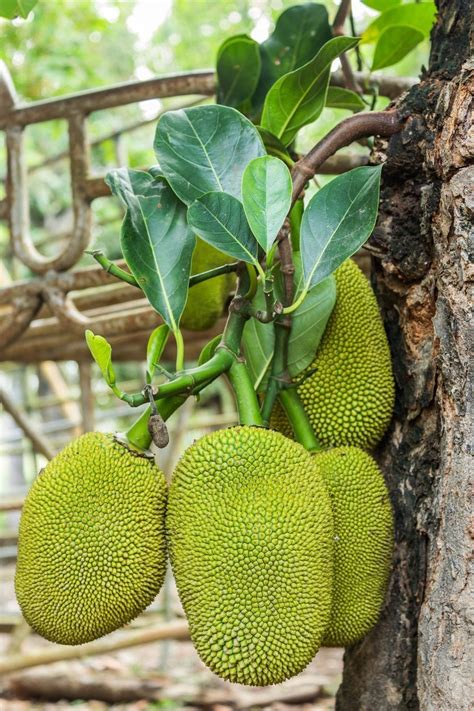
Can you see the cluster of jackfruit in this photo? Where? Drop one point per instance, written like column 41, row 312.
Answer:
column 348, row 393
column 275, row 551
column 207, row 300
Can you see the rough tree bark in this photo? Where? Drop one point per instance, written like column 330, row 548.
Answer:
column 418, row 655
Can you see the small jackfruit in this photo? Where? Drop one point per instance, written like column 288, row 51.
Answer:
column 363, row 542
column 92, row 544
column 349, row 396
column 206, row 300
column 250, row 533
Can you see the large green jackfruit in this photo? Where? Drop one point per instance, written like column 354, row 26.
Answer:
column 250, row 532
column 92, row 544
column 349, row 397
column 363, row 541
column 206, row 301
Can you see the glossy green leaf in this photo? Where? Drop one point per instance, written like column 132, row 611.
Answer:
column 266, row 197
column 154, row 350
column 258, row 341
column 156, row 241
column 238, row 70
column 299, row 34
column 219, row 219
column 205, row 149
column 16, row 8
column 393, row 44
column 101, row 351
column 275, row 147
column 420, row 16
column 338, row 98
column 381, row 5
column 338, row 220
column 309, row 323
column 299, row 97
column 209, row 349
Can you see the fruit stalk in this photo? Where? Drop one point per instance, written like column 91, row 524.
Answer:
column 299, row 420
column 247, row 403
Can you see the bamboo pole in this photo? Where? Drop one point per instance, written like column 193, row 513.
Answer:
column 177, row 630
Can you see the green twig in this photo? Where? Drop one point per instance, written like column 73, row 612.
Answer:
column 111, row 268
column 298, row 418
column 246, row 398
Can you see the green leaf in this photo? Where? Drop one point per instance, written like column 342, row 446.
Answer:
column 309, row 322
column 258, row 340
column 156, row 241
column 275, row 147
column 420, row 16
column 101, row 351
column 299, row 34
column 16, row 8
column 299, row 97
column 338, row 220
column 266, row 196
column 154, row 350
column 209, row 349
column 393, row 44
column 381, row 5
column 219, row 219
column 338, row 98
column 238, row 70
column 205, row 149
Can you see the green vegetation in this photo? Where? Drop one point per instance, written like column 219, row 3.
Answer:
column 275, row 550
column 91, row 552
column 250, row 531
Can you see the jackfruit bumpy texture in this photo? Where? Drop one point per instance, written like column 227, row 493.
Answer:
column 92, row 543
column 251, row 542
column 363, row 542
column 349, row 397
column 206, row 301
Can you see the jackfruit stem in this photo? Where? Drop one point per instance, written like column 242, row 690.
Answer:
column 299, row 420
column 246, row 398
column 138, row 435
column 109, row 266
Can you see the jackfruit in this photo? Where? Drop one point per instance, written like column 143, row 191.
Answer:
column 206, row 301
column 92, row 544
column 363, row 542
column 349, row 396
column 250, row 534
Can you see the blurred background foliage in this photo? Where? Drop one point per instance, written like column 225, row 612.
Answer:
column 72, row 45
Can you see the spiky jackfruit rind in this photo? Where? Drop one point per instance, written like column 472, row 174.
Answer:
column 349, row 396
column 92, row 544
column 206, row 301
column 251, row 543
column 363, row 542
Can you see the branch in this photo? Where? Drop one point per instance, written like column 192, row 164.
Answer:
column 382, row 123
column 341, row 16
column 111, row 268
column 338, row 31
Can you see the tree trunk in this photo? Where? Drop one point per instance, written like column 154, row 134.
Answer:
column 418, row 655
